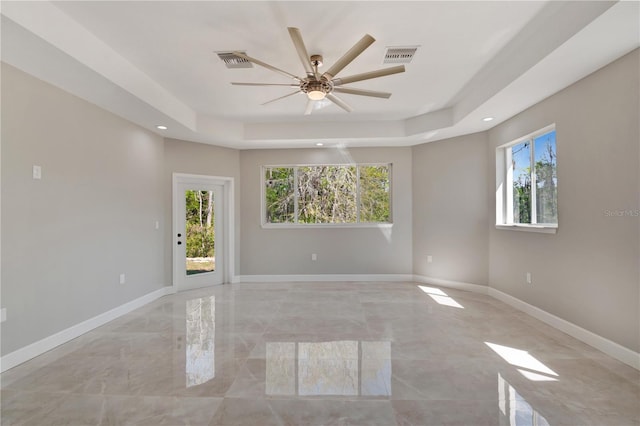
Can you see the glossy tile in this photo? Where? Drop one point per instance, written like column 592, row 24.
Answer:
column 334, row 412
column 337, row 353
column 446, row 412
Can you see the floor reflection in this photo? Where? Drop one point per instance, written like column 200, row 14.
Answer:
column 344, row 367
column 200, row 344
column 514, row 409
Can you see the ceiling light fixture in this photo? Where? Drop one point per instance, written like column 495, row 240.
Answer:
column 319, row 144
column 316, row 95
column 487, row 119
column 160, row 127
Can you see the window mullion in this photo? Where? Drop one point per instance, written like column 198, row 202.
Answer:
column 534, row 207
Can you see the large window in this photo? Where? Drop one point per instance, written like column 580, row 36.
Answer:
column 528, row 182
column 327, row 194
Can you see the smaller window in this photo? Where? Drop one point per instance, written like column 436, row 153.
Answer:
column 527, row 181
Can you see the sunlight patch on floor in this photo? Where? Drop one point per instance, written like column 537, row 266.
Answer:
column 440, row 297
column 521, row 358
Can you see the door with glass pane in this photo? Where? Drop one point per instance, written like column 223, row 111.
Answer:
column 198, row 247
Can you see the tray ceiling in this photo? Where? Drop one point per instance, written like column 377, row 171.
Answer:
column 156, row 62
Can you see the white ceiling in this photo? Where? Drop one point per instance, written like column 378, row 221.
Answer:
column 154, row 62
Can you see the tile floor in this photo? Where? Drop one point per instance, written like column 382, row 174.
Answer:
column 323, row 354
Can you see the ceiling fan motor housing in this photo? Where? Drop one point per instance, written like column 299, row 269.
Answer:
column 312, row 85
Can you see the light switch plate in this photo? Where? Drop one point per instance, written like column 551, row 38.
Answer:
column 37, row 172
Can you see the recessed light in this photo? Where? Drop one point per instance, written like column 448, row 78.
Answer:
column 160, row 127
column 487, row 119
column 319, row 144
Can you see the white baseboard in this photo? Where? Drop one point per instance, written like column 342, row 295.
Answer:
column 610, row 348
column 41, row 346
column 475, row 288
column 325, row 277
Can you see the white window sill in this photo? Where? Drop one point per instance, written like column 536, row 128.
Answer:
column 543, row 229
column 324, row 225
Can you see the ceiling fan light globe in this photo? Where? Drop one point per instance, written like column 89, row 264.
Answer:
column 316, row 95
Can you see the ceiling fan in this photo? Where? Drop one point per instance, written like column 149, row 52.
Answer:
column 324, row 86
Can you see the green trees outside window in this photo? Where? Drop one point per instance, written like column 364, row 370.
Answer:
column 327, row 194
column 535, row 180
column 279, row 194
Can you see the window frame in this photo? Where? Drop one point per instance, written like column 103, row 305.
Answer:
column 504, row 186
column 296, row 196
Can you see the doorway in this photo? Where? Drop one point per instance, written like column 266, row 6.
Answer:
column 202, row 240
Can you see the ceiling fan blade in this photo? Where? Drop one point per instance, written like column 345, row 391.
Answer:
column 235, row 83
column 339, row 102
column 265, row 65
column 368, row 75
column 362, row 92
column 309, row 108
column 296, row 37
column 346, row 59
column 282, row 97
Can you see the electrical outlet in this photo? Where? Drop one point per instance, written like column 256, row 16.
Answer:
column 429, row 259
column 157, row 224
column 528, row 277
column 314, row 257
column 3, row 314
column 122, row 279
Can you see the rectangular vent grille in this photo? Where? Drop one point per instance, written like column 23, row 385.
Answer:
column 233, row 61
column 399, row 55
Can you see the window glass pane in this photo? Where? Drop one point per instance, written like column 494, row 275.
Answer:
column 374, row 194
column 521, row 163
column 546, row 178
column 327, row 194
column 279, row 194
column 200, row 232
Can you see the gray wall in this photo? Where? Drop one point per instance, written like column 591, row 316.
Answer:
column 198, row 159
column 66, row 238
column 339, row 250
column 588, row 272
column 451, row 210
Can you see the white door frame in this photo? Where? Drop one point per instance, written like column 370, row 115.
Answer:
column 228, row 228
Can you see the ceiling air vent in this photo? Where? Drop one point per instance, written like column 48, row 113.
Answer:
column 233, row 61
column 399, row 55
